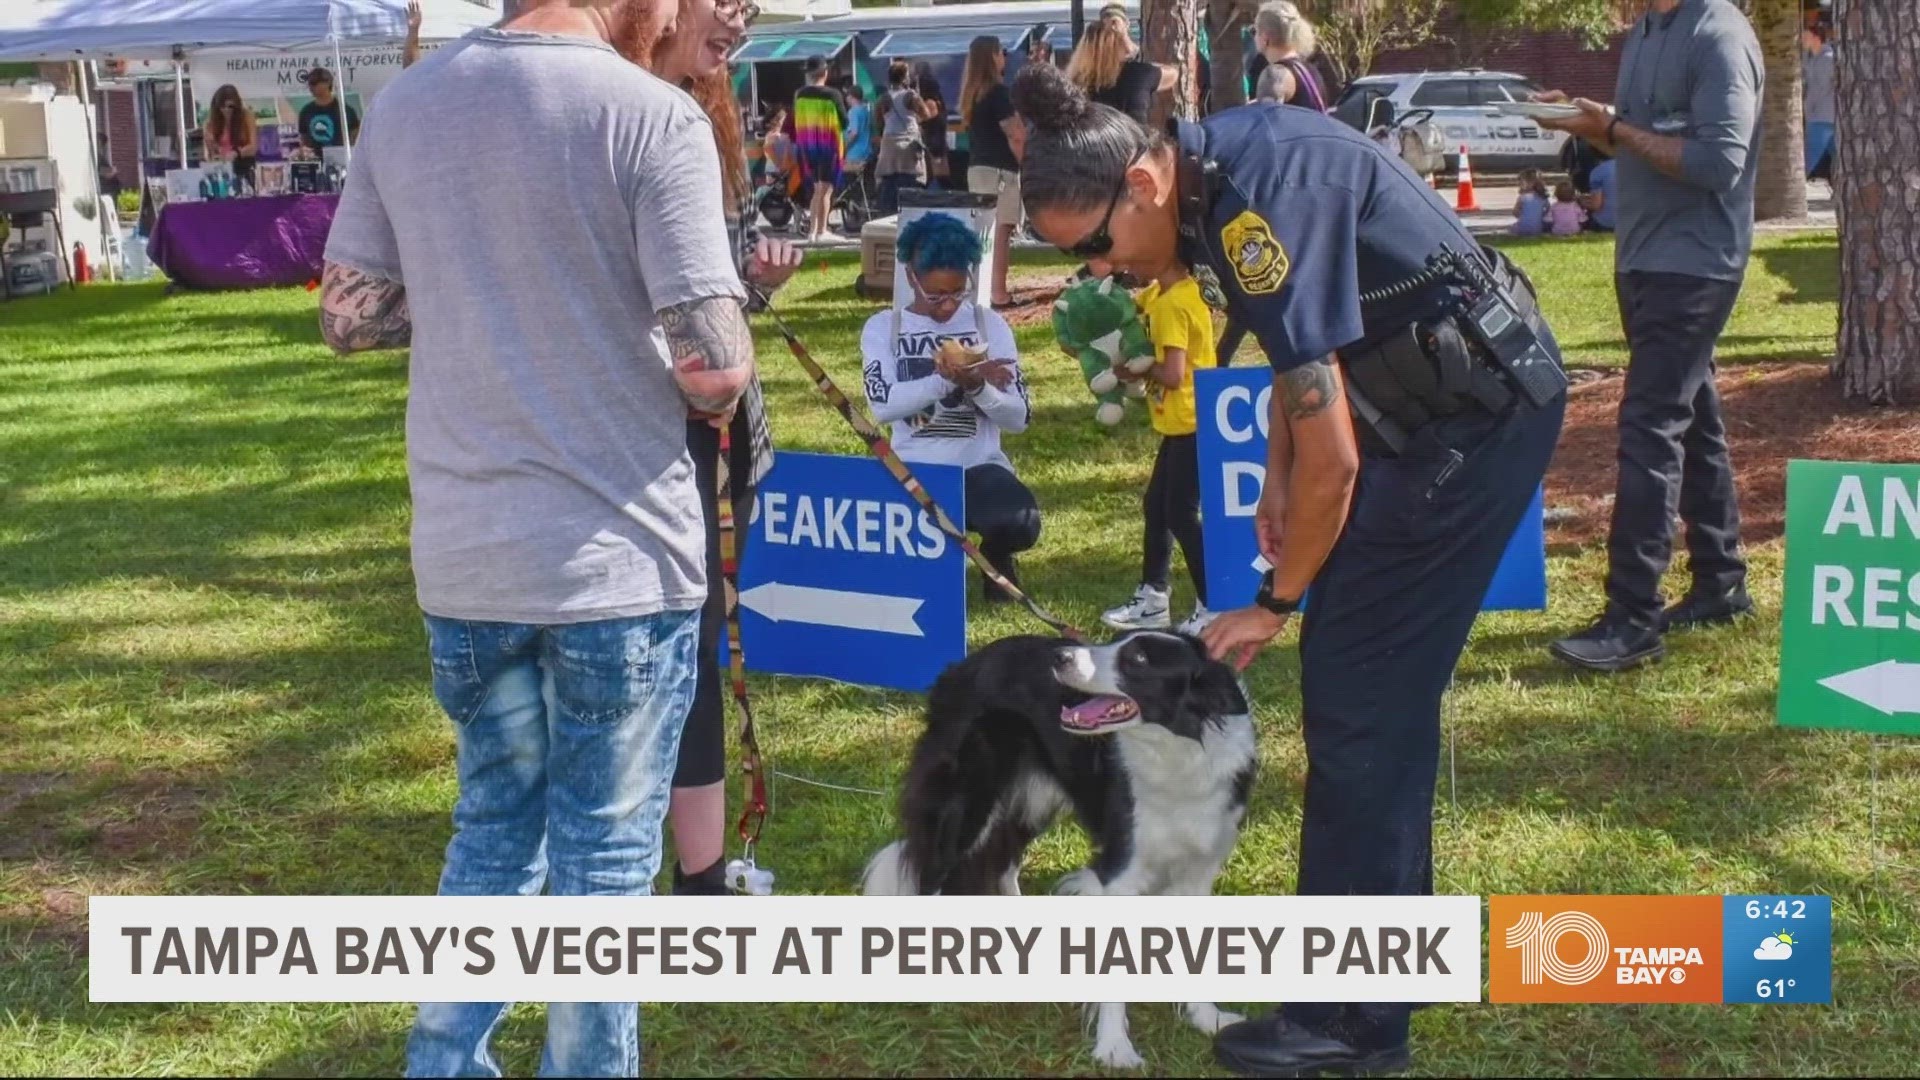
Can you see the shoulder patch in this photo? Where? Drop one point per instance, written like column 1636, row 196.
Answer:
column 1259, row 262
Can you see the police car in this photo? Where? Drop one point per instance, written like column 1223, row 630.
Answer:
column 1464, row 106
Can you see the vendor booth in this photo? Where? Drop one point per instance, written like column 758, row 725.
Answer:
column 206, row 227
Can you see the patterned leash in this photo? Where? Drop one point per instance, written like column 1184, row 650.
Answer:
column 755, row 808
column 880, row 447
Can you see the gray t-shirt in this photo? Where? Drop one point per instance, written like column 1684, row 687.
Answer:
column 1694, row 72
column 541, row 198
column 1817, row 70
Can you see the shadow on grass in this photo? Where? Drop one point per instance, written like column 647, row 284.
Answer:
column 1810, row 265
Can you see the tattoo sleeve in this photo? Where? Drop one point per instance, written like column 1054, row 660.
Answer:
column 711, row 348
column 1660, row 151
column 1311, row 389
column 360, row 311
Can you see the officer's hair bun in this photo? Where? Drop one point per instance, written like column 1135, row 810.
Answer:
column 1047, row 99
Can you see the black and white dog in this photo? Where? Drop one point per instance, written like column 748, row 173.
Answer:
column 1147, row 739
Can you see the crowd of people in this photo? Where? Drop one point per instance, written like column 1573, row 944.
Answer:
column 569, row 565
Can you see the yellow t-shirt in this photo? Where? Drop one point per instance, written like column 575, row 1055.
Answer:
column 1177, row 318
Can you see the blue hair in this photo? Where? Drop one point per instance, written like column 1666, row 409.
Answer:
column 938, row 242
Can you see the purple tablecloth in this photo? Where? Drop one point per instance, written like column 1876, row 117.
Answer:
column 243, row 243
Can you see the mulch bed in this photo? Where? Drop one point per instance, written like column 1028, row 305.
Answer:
column 1774, row 412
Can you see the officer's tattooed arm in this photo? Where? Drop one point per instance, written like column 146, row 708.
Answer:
column 361, row 311
column 1314, row 452
column 711, row 347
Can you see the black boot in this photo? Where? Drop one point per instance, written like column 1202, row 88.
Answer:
column 991, row 592
column 709, row 882
column 1613, row 643
column 1708, row 609
column 1274, row 1046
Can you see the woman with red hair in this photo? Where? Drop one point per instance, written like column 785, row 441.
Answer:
column 694, row 57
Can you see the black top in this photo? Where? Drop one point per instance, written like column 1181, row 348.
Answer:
column 934, row 128
column 1132, row 93
column 1309, row 214
column 990, row 147
column 320, row 124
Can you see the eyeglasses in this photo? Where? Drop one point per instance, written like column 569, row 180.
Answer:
column 745, row 10
column 1100, row 241
column 958, row 296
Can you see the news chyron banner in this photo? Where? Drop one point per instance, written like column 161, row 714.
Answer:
column 1653, row 949
column 785, row 949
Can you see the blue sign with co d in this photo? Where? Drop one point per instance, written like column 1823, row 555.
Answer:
column 1232, row 406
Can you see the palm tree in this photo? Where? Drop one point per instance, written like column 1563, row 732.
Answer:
column 1170, row 34
column 1780, row 187
column 1876, row 157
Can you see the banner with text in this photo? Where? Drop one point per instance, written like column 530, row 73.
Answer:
column 784, row 948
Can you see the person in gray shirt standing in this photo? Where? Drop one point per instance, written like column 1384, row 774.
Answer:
column 1816, row 71
column 567, row 287
column 1685, row 136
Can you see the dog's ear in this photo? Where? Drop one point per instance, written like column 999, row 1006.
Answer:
column 1215, row 691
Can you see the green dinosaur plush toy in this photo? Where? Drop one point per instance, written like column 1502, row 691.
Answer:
column 1097, row 323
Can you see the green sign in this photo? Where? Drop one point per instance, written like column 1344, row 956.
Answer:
column 1850, row 639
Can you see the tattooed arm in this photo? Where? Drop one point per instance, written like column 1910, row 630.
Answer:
column 711, row 348
column 1312, row 461
column 360, row 311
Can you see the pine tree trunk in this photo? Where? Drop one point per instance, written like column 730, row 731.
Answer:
column 1780, row 187
column 1225, row 20
column 1876, row 176
column 1170, row 30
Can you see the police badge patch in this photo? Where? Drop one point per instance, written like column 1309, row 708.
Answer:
column 1258, row 260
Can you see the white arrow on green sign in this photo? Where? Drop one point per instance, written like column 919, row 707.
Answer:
column 1850, row 634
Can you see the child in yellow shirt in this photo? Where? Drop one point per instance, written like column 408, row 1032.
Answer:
column 1181, row 327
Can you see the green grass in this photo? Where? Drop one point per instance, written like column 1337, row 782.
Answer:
column 216, row 682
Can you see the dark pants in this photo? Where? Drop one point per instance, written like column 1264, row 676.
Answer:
column 1673, row 444
column 1388, row 618
column 1003, row 512
column 1172, row 507
column 703, row 744
column 890, row 187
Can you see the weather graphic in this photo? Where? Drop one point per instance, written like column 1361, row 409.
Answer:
column 1777, row 947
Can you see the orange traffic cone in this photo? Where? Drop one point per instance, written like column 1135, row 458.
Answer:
column 1464, row 200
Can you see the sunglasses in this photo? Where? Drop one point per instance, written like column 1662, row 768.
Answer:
column 1100, row 240
column 746, row 10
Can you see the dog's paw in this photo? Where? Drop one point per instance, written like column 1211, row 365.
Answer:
column 1118, row 1054
column 1210, row 1018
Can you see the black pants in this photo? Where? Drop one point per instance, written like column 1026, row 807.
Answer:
column 1390, row 614
column 703, row 742
column 1003, row 512
column 1673, row 443
column 1172, row 512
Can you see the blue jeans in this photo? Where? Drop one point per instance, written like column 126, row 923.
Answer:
column 566, row 739
column 1819, row 143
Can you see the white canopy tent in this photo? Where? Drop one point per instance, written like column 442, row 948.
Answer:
column 89, row 30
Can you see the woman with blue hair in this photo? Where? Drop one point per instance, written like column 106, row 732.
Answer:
column 946, row 374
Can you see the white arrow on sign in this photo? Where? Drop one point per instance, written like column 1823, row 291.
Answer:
column 834, row 607
column 1888, row 686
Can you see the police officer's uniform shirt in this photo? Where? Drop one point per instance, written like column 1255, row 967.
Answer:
column 1309, row 214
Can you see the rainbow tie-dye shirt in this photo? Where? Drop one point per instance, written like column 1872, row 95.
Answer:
column 819, row 132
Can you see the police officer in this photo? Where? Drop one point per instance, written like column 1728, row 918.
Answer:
column 1417, row 397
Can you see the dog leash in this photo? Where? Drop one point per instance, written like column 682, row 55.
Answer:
column 756, row 806
column 882, row 448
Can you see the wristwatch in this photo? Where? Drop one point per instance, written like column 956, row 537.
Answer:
column 1265, row 598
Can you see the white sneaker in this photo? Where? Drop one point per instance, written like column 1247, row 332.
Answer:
column 1198, row 621
column 1146, row 611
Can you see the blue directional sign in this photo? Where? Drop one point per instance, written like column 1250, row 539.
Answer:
column 1232, row 406
column 842, row 576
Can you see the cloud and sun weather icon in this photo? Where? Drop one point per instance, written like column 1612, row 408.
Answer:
column 1775, row 947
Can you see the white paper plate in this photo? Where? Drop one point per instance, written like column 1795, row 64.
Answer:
column 1539, row 110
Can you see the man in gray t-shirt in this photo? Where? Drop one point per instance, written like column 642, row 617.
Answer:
column 1685, row 138
column 541, row 220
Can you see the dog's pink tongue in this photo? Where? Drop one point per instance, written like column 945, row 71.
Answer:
column 1089, row 713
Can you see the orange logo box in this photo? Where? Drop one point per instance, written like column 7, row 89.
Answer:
column 1604, row 949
